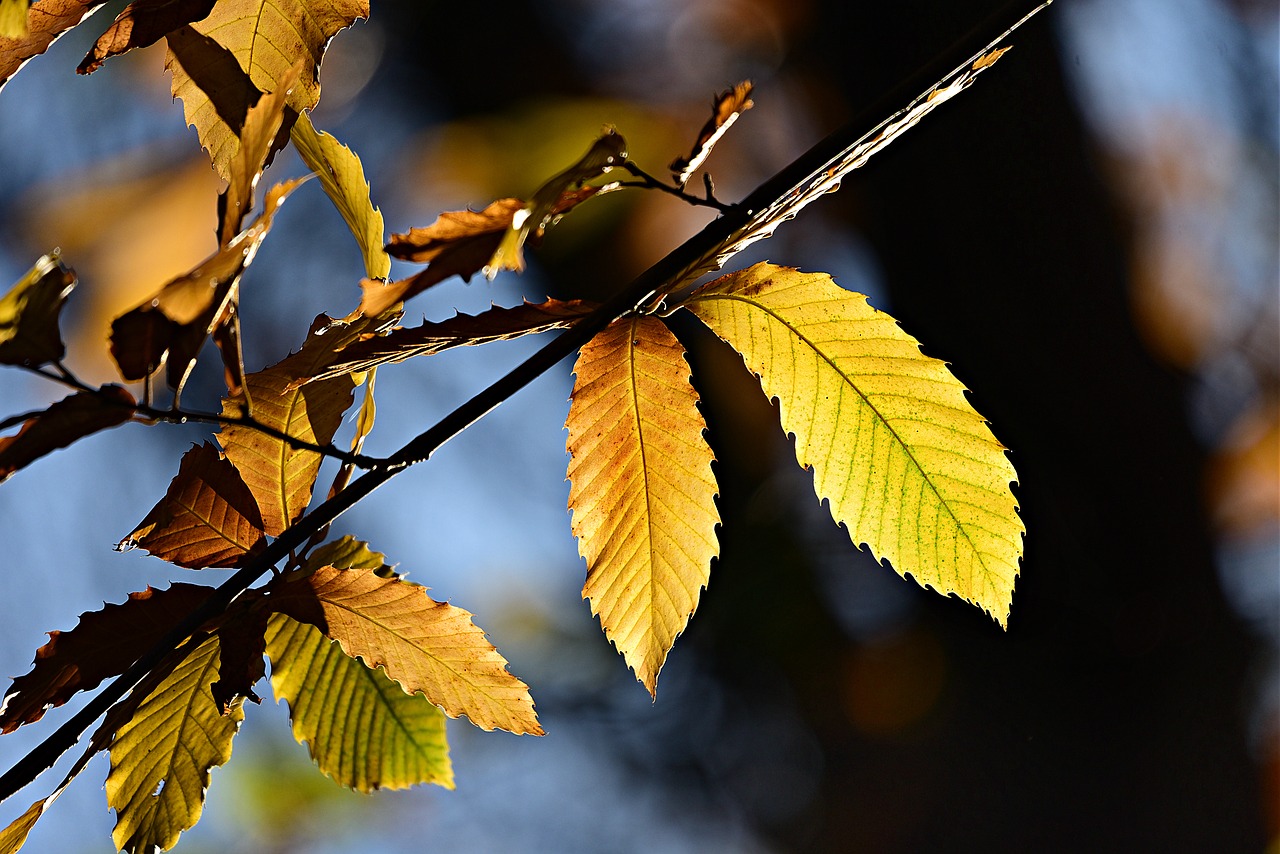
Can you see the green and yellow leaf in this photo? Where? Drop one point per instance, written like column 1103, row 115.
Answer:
column 426, row 646
column 361, row 728
column 161, row 757
column 342, row 176
column 207, row 518
column 642, row 493
column 904, row 461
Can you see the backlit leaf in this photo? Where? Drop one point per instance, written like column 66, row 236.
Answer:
column 495, row 324
column 362, row 729
column 13, row 19
column 101, row 646
column 426, row 646
column 342, row 176
column 458, row 243
column 725, row 109
column 605, row 154
column 207, row 518
column 245, row 47
column 241, row 646
column 279, row 475
column 29, row 314
column 173, row 324
column 46, row 21
column 142, row 23
column 161, row 757
column 260, row 138
column 71, row 418
column 642, row 493
column 13, row 837
column 903, row 460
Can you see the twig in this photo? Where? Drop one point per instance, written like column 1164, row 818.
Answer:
column 649, row 182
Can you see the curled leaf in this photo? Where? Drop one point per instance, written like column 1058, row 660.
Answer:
column 46, row 20
column 29, row 314
column 725, row 109
column 142, row 23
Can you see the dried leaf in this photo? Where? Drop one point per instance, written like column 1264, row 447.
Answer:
column 29, row 314
column 141, row 24
column 725, row 109
column 989, row 59
column 260, row 138
column 458, row 243
column 174, row 323
column 426, row 646
column 207, row 518
column 605, row 154
column 342, row 176
column 244, row 47
column 905, row 463
column 161, row 757
column 242, row 644
column 279, row 475
column 496, row 324
column 389, row 738
column 71, row 418
column 642, row 492
column 102, row 645
column 46, row 21
column 13, row 837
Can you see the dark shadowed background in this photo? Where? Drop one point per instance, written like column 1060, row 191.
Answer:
column 1088, row 235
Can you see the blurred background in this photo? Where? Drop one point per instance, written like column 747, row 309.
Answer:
column 1089, row 237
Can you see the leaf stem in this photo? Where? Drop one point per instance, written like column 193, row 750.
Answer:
column 691, row 255
column 649, row 182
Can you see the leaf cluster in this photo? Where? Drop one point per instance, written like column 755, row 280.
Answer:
column 369, row 664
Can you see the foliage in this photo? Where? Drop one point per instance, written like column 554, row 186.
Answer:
column 369, row 664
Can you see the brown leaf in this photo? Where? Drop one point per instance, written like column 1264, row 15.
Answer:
column 71, row 418
column 279, row 475
column 496, row 324
column 260, row 138
column 248, row 46
column 101, row 646
column 427, row 646
column 242, row 644
column 29, row 314
column 173, row 324
column 725, row 109
column 142, row 23
column 46, row 20
column 207, row 518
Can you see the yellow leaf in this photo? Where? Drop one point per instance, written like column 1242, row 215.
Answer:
column 29, row 314
column 342, row 176
column 14, row 836
column 425, row 646
column 258, row 142
column 243, row 48
column 160, row 758
column 905, row 463
column 361, row 728
column 13, row 19
column 642, row 494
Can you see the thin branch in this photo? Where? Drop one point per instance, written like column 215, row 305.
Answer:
column 644, row 289
column 648, row 182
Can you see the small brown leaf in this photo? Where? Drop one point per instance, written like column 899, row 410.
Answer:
column 46, row 20
column 72, row 418
column 725, row 109
column 496, row 324
column 991, row 58
column 173, row 324
column 242, row 644
column 29, row 314
column 207, row 518
column 427, row 646
column 101, row 646
column 142, row 23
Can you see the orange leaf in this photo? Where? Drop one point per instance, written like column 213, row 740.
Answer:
column 642, row 492
column 426, row 646
column 725, row 109
column 207, row 518
column 71, row 418
column 142, row 23
column 101, row 646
